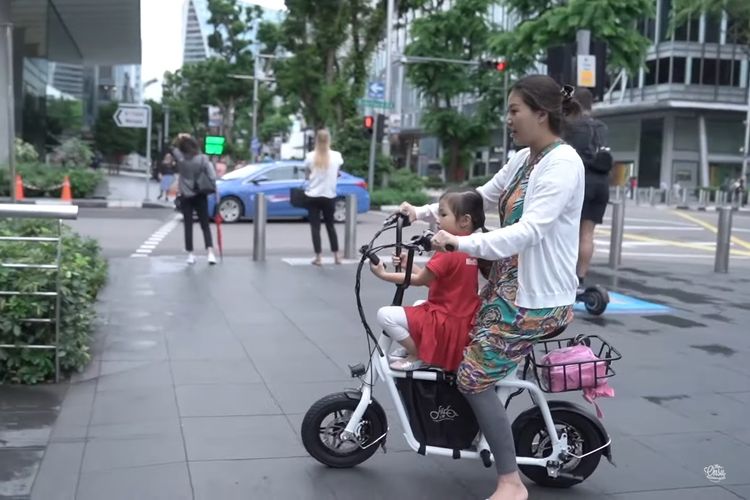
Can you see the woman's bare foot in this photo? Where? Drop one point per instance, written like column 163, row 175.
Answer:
column 510, row 487
column 337, row 258
column 317, row 261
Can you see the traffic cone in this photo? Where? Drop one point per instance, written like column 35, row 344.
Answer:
column 19, row 188
column 66, row 194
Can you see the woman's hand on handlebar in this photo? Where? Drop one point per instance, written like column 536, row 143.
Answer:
column 407, row 208
column 399, row 260
column 378, row 269
column 444, row 241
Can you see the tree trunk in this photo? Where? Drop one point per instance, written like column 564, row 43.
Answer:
column 456, row 168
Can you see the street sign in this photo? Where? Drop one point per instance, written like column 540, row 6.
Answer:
column 394, row 123
column 132, row 116
column 376, row 90
column 375, row 103
column 586, row 70
column 214, row 145
column 215, row 117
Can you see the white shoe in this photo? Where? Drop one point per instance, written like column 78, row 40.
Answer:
column 191, row 259
column 407, row 364
column 399, row 352
column 211, row 258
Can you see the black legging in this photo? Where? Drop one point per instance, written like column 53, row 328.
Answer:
column 327, row 206
column 199, row 204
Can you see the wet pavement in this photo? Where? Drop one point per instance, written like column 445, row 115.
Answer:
column 201, row 377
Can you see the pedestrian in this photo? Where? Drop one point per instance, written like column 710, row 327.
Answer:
column 322, row 165
column 166, row 173
column 436, row 331
column 221, row 166
column 197, row 179
column 588, row 136
column 532, row 284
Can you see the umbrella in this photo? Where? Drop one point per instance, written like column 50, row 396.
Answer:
column 218, row 221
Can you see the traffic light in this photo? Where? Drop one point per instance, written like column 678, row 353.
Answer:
column 499, row 65
column 369, row 123
column 381, row 128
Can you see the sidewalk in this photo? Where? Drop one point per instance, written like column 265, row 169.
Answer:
column 201, row 377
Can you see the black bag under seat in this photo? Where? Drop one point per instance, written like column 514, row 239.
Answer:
column 438, row 413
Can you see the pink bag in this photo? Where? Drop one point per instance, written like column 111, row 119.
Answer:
column 571, row 376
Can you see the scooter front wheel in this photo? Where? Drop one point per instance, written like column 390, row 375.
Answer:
column 595, row 299
column 326, row 420
column 532, row 440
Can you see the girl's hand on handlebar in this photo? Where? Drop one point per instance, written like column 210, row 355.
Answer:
column 378, row 269
column 407, row 208
column 444, row 241
column 399, row 260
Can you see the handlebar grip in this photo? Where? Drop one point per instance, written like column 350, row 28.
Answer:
column 450, row 248
column 374, row 258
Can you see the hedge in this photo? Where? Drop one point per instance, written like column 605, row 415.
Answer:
column 382, row 197
column 45, row 180
column 84, row 273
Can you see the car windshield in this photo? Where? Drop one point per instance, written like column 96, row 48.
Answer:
column 243, row 172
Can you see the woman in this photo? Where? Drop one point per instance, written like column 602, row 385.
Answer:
column 322, row 166
column 166, row 171
column 532, row 283
column 191, row 165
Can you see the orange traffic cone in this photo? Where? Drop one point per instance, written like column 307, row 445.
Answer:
column 66, row 194
column 19, row 188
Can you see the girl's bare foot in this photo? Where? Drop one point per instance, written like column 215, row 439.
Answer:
column 317, row 261
column 510, row 487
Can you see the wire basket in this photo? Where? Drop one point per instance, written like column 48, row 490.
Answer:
column 573, row 375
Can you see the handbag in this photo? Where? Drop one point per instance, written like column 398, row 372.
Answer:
column 204, row 184
column 298, row 198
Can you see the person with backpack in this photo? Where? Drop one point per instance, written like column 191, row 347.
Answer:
column 588, row 136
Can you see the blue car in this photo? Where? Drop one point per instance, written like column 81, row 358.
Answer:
column 238, row 188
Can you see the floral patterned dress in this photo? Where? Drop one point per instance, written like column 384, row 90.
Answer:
column 504, row 333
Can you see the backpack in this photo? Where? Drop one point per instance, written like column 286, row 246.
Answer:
column 603, row 161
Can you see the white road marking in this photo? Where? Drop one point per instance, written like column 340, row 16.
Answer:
column 153, row 241
column 328, row 261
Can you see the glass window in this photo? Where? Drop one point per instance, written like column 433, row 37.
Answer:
column 725, row 136
column 650, row 76
column 688, row 31
column 695, row 71
column 725, row 72
column 710, row 67
column 663, row 76
column 286, row 173
column 713, row 29
column 736, row 32
column 665, row 13
column 678, row 69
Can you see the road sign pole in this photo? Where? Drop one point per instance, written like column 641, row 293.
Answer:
column 371, row 162
column 148, row 152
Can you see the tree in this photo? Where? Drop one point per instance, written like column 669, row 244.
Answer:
column 547, row 23
column 738, row 13
column 463, row 33
column 110, row 139
column 64, row 116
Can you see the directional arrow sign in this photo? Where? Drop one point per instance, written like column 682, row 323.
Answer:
column 132, row 116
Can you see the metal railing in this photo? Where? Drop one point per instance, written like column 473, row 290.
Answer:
column 60, row 213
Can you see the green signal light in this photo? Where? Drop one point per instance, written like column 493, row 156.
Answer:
column 214, row 145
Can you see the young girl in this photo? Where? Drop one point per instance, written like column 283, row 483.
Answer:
column 436, row 331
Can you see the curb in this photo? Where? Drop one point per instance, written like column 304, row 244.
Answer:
column 94, row 203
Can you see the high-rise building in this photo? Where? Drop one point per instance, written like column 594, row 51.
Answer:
column 680, row 119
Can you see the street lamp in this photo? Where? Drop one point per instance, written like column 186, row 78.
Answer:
column 143, row 88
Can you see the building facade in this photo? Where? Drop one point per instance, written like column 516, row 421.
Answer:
column 681, row 120
column 47, row 36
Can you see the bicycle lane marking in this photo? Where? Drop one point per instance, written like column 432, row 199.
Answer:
column 157, row 237
column 710, row 227
column 680, row 244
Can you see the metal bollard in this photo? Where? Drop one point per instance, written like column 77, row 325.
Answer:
column 259, row 227
column 618, row 192
column 618, row 226
column 683, row 194
column 723, row 240
column 701, row 198
column 637, row 193
column 668, row 197
column 350, row 231
column 651, row 196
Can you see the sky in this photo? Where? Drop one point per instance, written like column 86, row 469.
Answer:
column 161, row 37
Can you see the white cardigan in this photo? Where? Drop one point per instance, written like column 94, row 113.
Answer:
column 545, row 238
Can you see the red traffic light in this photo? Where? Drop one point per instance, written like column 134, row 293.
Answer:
column 369, row 122
column 501, row 65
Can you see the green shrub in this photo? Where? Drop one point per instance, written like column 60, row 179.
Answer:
column 73, row 151
column 478, row 181
column 395, row 196
column 25, row 152
column 83, row 274
column 435, row 182
column 46, row 180
column 404, row 179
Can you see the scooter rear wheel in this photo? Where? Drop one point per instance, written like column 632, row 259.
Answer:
column 325, row 421
column 532, row 440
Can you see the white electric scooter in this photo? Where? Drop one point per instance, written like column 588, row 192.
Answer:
column 558, row 443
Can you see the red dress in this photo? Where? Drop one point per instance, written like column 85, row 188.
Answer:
column 440, row 327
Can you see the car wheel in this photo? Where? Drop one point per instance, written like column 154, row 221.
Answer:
column 339, row 210
column 231, row 209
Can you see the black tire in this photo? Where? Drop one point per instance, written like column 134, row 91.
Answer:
column 531, row 441
column 237, row 209
column 595, row 300
column 339, row 210
column 340, row 406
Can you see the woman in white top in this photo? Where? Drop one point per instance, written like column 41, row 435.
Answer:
column 322, row 166
column 532, row 284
